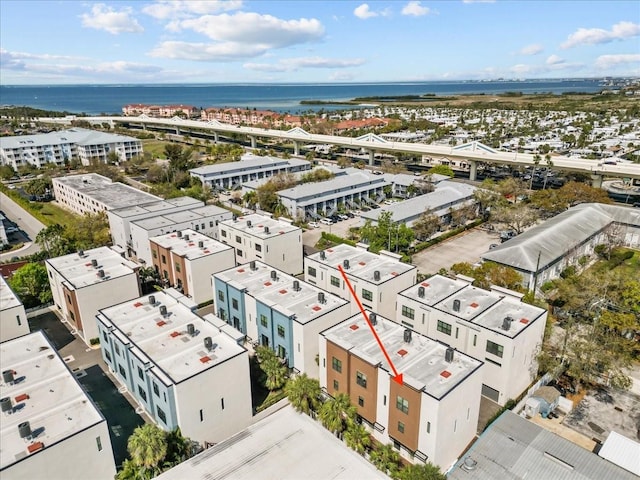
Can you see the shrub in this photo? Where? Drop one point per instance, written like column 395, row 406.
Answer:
column 568, row 272
column 95, row 341
column 601, row 250
column 546, row 286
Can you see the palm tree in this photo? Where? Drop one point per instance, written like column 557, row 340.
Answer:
column 276, row 372
column 428, row 471
column 337, row 413
column 250, row 198
column 536, row 162
column 147, row 447
column 385, row 458
column 303, row 393
column 357, row 438
column 547, row 159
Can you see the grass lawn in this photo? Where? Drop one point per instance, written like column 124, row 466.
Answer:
column 630, row 268
column 47, row 213
column 154, row 147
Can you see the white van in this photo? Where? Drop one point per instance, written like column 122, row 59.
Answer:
column 327, row 221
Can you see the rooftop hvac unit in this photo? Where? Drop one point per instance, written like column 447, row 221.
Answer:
column 376, row 275
column 321, row 297
column 469, row 464
column 186, row 237
column 24, row 429
column 248, row 223
column 345, row 264
column 5, row 405
column 506, row 323
column 296, row 285
column 323, row 255
column 421, row 292
column 266, row 230
column 448, row 355
column 201, row 244
column 208, row 343
column 373, row 318
column 179, row 233
column 274, row 275
column 152, row 300
column 94, row 263
column 81, row 253
column 252, row 265
column 100, row 273
column 7, row 377
column 163, row 310
column 407, row 335
column 191, row 329
column 456, row 305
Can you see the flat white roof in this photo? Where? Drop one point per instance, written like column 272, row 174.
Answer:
column 279, row 293
column 79, row 271
column 622, row 451
column 45, row 394
column 80, row 136
column 421, row 361
column 362, row 264
column 173, row 218
column 246, row 164
column 8, row 299
column 155, row 207
column 342, row 183
column 164, row 339
column 257, row 225
column 190, row 244
column 285, row 446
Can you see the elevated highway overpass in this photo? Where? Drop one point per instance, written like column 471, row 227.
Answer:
column 370, row 143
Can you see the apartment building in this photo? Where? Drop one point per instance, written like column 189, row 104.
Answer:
column 277, row 310
column 376, row 278
column 82, row 283
column 92, row 193
column 186, row 259
column 181, row 369
column 203, row 220
column 61, row 146
column 120, row 218
column 262, row 238
column 433, row 415
column 13, row 318
column 494, row 326
column 231, row 176
column 137, row 109
column 50, row 427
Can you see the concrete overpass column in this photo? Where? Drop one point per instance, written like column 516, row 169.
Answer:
column 215, row 137
column 296, row 148
column 473, row 170
column 253, row 141
column 596, row 181
column 371, row 156
column 177, row 130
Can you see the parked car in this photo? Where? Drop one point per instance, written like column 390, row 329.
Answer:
column 314, row 225
column 342, row 216
column 326, row 221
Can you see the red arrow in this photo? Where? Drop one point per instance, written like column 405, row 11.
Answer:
column 397, row 376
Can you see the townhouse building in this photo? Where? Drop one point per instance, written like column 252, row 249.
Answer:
column 259, row 237
column 186, row 259
column 231, row 176
column 180, row 368
column 62, row 146
column 50, row 427
column 92, row 193
column 494, row 326
column 13, row 318
column 432, row 415
column 375, row 278
column 137, row 109
column 82, row 283
column 203, row 220
column 277, row 310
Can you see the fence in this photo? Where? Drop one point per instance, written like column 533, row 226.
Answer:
column 546, row 378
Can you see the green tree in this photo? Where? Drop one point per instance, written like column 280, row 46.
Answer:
column 303, row 393
column 357, row 437
column 490, row 273
column 386, row 235
column 38, row 186
column 337, row 413
column 250, row 198
column 427, row 471
column 386, row 459
column 516, row 217
column 147, row 447
column 179, row 159
column 31, row 283
column 6, row 172
column 53, row 241
column 427, row 225
column 275, row 370
column 89, row 231
column 441, row 170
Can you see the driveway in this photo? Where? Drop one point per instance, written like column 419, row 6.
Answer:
column 29, row 225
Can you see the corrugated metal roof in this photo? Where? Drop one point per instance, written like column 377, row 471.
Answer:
column 622, row 451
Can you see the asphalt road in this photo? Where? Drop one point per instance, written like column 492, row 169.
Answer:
column 29, row 225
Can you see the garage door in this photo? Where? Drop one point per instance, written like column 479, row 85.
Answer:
column 490, row 393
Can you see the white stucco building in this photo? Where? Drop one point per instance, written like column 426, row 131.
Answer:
column 183, row 370
column 84, row 282
column 50, row 427
column 258, row 237
column 13, row 319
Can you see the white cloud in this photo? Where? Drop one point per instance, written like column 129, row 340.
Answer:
column 364, row 12
column 172, row 9
column 612, row 61
column 293, row 64
column 532, row 49
column 593, row 36
column 341, row 77
column 207, row 52
column 415, row 9
column 106, row 18
column 554, row 60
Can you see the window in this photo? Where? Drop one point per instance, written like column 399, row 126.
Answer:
column 201, row 415
column 108, row 355
column 311, row 271
column 239, row 253
column 336, row 385
column 384, row 400
column 104, row 335
column 408, row 312
column 495, row 348
column 401, row 427
column 457, row 331
column 428, row 427
column 221, row 295
column 367, row 295
column 122, row 371
column 444, row 327
column 282, row 352
column 164, row 259
column 73, row 317
column 155, row 254
column 238, row 239
column 475, row 339
column 361, row 401
column 222, row 403
column 178, row 267
column 19, row 321
column 211, row 224
column 336, row 364
column 402, row 404
column 234, row 303
column 263, row 320
column 223, row 233
column 99, row 444
column 280, row 331
column 161, row 415
column 335, row 281
column 142, row 393
column 156, row 390
column 258, row 247
column 140, row 373
column 361, row 379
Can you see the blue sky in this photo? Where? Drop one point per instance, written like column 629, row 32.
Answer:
column 237, row 41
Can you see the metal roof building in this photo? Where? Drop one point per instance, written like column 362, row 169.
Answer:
column 514, row 448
